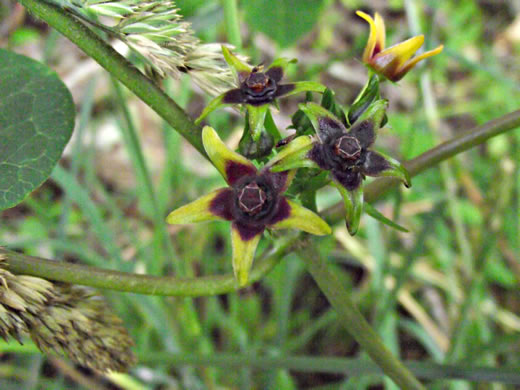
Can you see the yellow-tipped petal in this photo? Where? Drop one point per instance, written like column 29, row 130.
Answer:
column 372, row 38
column 380, row 33
column 402, row 51
column 231, row 165
column 410, row 64
column 196, row 211
column 303, row 219
column 243, row 254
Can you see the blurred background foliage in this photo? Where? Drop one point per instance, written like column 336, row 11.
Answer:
column 447, row 292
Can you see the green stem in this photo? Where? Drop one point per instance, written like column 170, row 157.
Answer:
column 433, row 157
column 118, row 67
column 120, row 281
column 140, row 284
column 332, row 365
column 352, row 319
column 232, row 22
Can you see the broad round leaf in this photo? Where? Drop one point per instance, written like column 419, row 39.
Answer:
column 36, row 122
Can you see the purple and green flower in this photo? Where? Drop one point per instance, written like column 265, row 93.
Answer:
column 256, row 89
column 252, row 202
column 345, row 153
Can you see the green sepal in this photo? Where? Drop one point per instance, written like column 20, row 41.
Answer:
column 271, row 128
column 374, row 213
column 294, row 155
column 212, row 106
column 376, row 113
column 368, row 94
column 255, row 150
column 353, row 201
column 396, row 170
column 305, row 86
column 314, row 111
column 256, row 118
column 237, row 66
column 282, row 63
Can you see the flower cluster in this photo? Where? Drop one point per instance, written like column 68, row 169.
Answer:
column 327, row 139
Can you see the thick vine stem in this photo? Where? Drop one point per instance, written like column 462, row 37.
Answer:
column 154, row 285
column 140, row 284
column 119, row 67
column 353, row 321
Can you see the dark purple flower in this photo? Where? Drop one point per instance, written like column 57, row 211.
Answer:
column 257, row 88
column 345, row 153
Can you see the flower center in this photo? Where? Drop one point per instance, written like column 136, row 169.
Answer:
column 257, row 81
column 347, row 147
column 251, row 199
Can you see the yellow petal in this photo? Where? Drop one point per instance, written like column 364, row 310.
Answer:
column 380, row 33
column 243, row 254
column 303, row 219
column 372, row 38
column 197, row 211
column 410, row 64
column 405, row 50
column 390, row 61
column 231, row 165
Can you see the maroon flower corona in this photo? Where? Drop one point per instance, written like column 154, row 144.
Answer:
column 253, row 201
column 258, row 88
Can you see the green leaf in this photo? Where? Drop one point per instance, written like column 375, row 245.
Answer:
column 368, row 94
column 374, row 213
column 36, row 122
column 328, row 102
column 285, row 21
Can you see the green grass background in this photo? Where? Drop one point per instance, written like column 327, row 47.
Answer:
column 447, row 292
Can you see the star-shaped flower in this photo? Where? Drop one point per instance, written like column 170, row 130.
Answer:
column 346, row 154
column 395, row 61
column 256, row 89
column 253, row 202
